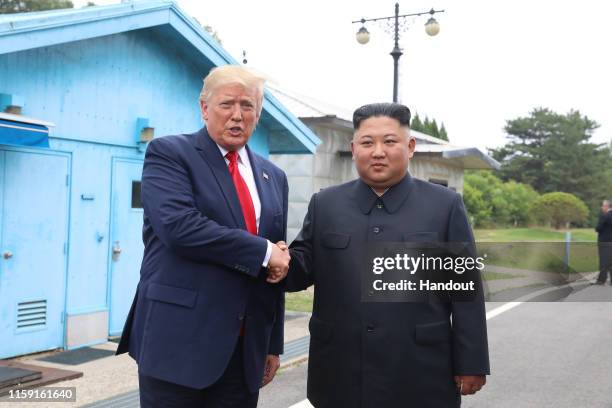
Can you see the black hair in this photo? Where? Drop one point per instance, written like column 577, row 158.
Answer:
column 392, row 110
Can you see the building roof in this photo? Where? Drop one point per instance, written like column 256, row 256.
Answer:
column 25, row 31
column 311, row 110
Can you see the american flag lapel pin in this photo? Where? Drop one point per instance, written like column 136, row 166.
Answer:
column 265, row 175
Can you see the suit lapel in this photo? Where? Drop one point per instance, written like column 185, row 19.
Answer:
column 265, row 190
column 212, row 155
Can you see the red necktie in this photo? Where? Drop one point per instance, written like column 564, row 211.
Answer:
column 246, row 202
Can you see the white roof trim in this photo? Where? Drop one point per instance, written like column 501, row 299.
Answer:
column 25, row 119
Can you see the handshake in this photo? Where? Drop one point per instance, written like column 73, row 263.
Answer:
column 278, row 265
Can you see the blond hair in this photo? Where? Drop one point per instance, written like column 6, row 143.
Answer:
column 230, row 75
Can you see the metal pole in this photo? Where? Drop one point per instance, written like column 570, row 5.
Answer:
column 396, row 54
column 568, row 241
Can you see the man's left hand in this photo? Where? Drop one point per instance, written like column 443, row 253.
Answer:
column 272, row 364
column 470, row 384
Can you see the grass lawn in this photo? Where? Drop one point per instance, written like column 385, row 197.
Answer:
column 299, row 301
column 538, row 249
column 533, row 234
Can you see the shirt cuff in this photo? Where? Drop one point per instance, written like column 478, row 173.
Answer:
column 268, row 255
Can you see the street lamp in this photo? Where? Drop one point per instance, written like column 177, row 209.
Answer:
column 432, row 27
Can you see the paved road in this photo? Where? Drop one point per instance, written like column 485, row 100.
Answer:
column 542, row 355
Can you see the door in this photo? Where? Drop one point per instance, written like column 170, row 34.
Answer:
column 33, row 245
column 126, row 240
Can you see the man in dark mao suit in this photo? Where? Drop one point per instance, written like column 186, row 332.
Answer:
column 604, row 243
column 376, row 354
column 206, row 328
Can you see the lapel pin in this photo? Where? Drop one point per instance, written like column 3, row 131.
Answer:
column 265, row 175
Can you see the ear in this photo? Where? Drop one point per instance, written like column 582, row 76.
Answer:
column 204, row 110
column 411, row 147
column 353, row 149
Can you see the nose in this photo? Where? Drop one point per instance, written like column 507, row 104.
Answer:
column 237, row 113
column 379, row 150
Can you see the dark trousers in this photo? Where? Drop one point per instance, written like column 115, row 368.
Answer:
column 603, row 274
column 605, row 261
column 228, row 392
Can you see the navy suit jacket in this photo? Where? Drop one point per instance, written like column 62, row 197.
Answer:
column 201, row 276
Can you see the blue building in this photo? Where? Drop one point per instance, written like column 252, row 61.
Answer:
column 81, row 93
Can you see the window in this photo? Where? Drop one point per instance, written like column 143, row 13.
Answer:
column 439, row 181
column 136, row 203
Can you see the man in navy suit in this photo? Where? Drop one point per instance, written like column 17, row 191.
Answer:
column 206, row 327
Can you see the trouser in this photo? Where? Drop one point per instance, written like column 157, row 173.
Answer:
column 230, row 390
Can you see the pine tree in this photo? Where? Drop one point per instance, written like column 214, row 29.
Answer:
column 443, row 135
column 416, row 124
column 435, row 132
column 23, row 6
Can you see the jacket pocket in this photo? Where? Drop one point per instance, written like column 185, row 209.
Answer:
column 171, row 294
column 320, row 330
column 335, row 240
column 431, row 333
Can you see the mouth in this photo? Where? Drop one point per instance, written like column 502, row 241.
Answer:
column 235, row 131
column 378, row 165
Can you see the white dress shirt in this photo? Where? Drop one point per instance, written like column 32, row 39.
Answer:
column 246, row 171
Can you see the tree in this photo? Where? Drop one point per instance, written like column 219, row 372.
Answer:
column 23, row 6
column 559, row 209
column 477, row 208
column 428, row 127
column 518, row 197
column 433, row 129
column 443, row 135
column 553, row 152
column 492, row 202
column 416, row 123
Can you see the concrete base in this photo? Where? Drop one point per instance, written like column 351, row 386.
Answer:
column 86, row 329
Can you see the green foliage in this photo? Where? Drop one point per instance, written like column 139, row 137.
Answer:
column 533, row 234
column 541, row 256
column 299, row 301
column 416, row 123
column 478, row 209
column 22, row 6
column 443, row 135
column 558, row 209
column 489, row 201
column 518, row 197
column 428, row 127
column 552, row 152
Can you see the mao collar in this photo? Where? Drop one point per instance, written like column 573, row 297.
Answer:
column 391, row 200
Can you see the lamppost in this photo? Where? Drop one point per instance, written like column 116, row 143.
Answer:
column 432, row 27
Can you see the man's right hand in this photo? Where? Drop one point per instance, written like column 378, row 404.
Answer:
column 278, row 265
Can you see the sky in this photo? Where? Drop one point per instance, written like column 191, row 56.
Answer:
column 491, row 61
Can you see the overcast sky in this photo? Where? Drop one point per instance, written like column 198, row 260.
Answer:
column 491, row 62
